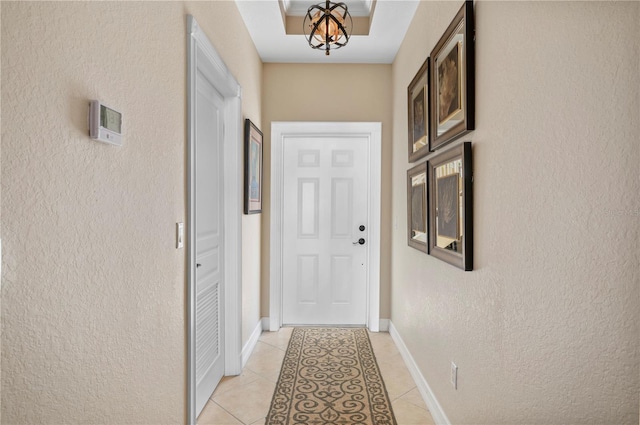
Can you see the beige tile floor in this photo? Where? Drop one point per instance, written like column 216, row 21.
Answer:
column 245, row 399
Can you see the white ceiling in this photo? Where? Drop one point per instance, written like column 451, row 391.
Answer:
column 300, row 7
column 263, row 18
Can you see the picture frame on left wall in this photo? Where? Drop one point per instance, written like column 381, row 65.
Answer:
column 252, row 168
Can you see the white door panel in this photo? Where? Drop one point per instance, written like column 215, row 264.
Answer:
column 325, row 201
column 209, row 240
column 214, row 219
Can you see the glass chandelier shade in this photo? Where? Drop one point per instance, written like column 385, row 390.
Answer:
column 328, row 26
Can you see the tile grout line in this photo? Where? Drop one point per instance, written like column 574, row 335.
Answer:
column 404, row 394
column 271, row 345
column 231, row 414
column 215, row 394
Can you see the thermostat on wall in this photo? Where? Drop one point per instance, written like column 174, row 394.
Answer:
column 105, row 124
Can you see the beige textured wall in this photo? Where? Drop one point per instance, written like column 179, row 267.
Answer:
column 545, row 330
column 291, row 92
column 93, row 288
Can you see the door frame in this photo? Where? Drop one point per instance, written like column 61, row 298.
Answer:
column 203, row 57
column 280, row 131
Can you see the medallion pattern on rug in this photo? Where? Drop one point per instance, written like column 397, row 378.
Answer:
column 330, row 377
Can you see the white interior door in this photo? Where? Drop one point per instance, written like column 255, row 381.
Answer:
column 325, row 230
column 209, row 240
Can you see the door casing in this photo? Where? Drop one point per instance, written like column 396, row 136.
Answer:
column 203, row 57
column 280, row 131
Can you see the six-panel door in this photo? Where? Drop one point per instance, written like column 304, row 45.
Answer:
column 325, row 204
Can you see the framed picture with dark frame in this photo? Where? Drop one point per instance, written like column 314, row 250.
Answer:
column 417, row 207
column 452, row 99
column 252, row 168
column 451, row 206
column 418, row 113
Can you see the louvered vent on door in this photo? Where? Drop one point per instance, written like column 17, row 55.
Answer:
column 207, row 335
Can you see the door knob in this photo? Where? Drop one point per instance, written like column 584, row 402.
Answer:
column 198, row 264
column 359, row 242
column 361, row 228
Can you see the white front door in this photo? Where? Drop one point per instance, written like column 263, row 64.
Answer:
column 325, row 243
column 209, row 240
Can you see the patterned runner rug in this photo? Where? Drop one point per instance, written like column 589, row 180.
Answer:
column 330, row 376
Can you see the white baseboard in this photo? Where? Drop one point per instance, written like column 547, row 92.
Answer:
column 384, row 325
column 251, row 344
column 265, row 324
column 438, row 415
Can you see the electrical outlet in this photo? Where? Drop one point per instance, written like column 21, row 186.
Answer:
column 454, row 375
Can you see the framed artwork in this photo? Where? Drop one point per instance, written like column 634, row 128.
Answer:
column 418, row 113
column 417, row 207
column 252, row 168
column 451, row 206
column 452, row 98
column 448, row 189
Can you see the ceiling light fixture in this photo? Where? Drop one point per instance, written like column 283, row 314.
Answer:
column 328, row 26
